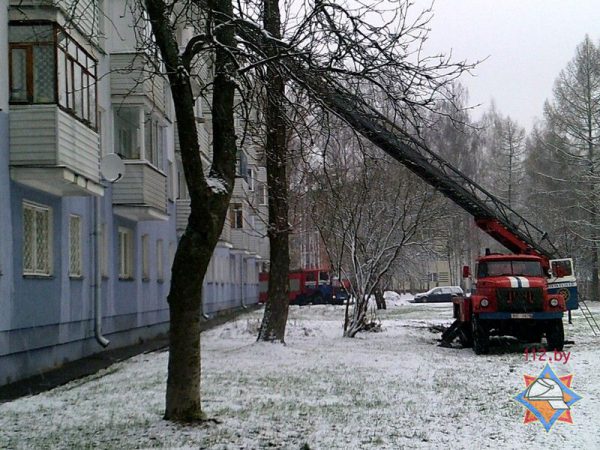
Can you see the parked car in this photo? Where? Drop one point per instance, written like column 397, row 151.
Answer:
column 439, row 294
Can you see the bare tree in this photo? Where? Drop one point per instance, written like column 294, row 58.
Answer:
column 504, row 147
column 276, row 310
column 373, row 49
column 574, row 117
column 368, row 210
column 453, row 136
column 209, row 196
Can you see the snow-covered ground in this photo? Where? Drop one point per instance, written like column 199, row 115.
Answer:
column 393, row 389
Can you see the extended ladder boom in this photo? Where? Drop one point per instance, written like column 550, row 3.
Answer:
column 492, row 215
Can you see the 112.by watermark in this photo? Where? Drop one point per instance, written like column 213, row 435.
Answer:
column 540, row 354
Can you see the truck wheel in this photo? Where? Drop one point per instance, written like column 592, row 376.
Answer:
column 481, row 339
column 317, row 299
column 533, row 336
column 465, row 336
column 555, row 335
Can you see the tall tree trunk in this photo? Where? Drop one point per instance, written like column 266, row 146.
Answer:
column 276, row 309
column 208, row 208
column 359, row 316
column 594, row 235
column 379, row 299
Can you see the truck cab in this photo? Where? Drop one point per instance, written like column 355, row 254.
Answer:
column 510, row 297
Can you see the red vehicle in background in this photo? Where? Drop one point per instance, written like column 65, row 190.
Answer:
column 315, row 286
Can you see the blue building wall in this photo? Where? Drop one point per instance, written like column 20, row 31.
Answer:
column 48, row 321
column 6, row 247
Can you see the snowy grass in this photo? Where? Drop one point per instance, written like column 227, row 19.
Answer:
column 394, row 389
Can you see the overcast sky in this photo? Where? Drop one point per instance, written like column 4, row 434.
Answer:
column 527, row 43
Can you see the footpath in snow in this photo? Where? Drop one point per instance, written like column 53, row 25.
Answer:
column 388, row 390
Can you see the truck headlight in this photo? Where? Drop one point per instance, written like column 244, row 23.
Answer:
column 484, row 303
column 554, row 302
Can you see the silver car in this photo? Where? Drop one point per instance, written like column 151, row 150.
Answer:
column 439, row 294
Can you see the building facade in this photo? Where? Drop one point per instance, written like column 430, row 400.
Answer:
column 85, row 261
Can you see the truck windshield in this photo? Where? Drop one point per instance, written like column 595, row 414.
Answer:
column 499, row 268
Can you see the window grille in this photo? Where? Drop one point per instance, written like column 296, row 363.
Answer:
column 75, row 246
column 36, row 240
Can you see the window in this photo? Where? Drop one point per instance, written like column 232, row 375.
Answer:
column 145, row 258
column 562, row 268
column 37, row 245
column 127, row 128
column 125, row 253
column 154, row 137
column 182, row 192
column 74, row 246
column 32, row 70
column 323, row 278
column 507, row 268
column 310, row 279
column 236, row 216
column 160, row 275
column 264, row 195
column 241, row 165
column 76, row 79
column 250, row 179
column 48, row 67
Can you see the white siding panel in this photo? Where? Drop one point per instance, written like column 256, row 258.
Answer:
column 155, row 188
column 183, row 213
column 131, row 76
column 142, row 185
column 46, row 136
column 240, row 239
column 78, row 146
column 33, row 135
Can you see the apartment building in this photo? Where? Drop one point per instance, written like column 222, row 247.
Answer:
column 85, row 261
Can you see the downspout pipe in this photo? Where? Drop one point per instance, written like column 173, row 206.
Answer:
column 98, row 285
column 242, row 283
